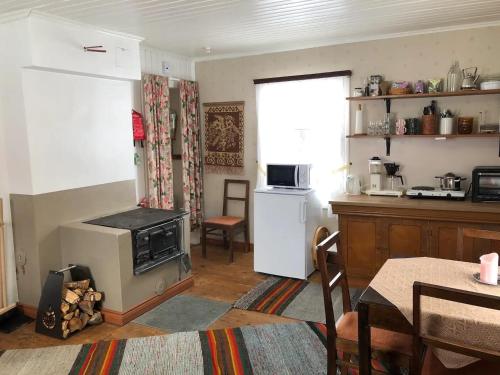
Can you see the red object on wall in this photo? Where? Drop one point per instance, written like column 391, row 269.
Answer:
column 138, row 126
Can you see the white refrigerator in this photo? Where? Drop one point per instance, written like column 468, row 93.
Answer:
column 284, row 224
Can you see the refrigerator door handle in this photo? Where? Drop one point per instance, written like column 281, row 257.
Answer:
column 297, row 176
column 303, row 212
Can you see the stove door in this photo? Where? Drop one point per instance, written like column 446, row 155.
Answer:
column 163, row 240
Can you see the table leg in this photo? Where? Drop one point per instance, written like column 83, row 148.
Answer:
column 364, row 340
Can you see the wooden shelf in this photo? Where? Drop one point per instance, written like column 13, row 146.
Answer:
column 427, row 95
column 440, row 136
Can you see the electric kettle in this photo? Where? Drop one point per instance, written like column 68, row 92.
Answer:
column 470, row 78
column 353, row 185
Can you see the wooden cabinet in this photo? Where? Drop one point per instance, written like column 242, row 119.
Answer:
column 372, row 233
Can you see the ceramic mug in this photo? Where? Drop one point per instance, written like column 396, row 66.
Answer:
column 401, row 127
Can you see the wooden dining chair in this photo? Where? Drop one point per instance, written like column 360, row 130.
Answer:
column 480, row 234
column 228, row 225
column 393, row 350
column 431, row 365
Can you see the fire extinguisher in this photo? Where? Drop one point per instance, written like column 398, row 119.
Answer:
column 138, row 127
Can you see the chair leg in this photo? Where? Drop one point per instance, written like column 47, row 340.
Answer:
column 203, row 241
column 231, row 250
column 331, row 356
column 224, row 235
column 247, row 239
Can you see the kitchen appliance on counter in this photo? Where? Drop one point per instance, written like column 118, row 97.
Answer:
column 157, row 235
column 375, row 170
column 353, row 185
column 376, row 187
column 486, row 184
column 429, row 192
column 290, row 176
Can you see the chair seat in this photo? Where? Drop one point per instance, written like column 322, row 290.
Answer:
column 433, row 366
column 383, row 340
column 227, row 221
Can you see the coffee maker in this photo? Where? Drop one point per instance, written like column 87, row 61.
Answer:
column 376, row 186
column 375, row 170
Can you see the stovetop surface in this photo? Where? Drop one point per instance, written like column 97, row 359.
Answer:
column 137, row 219
column 429, row 192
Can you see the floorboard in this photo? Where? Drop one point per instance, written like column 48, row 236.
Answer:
column 214, row 278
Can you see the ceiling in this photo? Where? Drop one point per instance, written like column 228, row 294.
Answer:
column 238, row 27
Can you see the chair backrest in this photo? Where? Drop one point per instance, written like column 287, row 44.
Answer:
column 228, row 198
column 480, row 234
column 329, row 281
column 456, row 295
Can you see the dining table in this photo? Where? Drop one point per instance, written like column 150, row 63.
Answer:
column 387, row 303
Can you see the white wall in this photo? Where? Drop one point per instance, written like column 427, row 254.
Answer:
column 59, row 130
column 79, row 130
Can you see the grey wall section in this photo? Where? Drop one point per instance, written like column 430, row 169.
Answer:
column 36, row 220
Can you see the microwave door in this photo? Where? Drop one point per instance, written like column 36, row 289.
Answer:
column 281, row 175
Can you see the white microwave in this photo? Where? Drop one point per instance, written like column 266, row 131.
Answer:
column 290, row 176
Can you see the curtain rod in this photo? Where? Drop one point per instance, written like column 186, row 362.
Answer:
column 338, row 73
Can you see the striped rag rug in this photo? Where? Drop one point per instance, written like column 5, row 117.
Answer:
column 297, row 299
column 296, row 348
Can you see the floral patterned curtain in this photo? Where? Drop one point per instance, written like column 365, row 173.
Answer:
column 158, row 142
column 191, row 151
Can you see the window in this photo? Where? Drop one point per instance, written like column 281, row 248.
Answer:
column 305, row 122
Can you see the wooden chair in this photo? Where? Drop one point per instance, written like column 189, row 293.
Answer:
column 342, row 337
column 229, row 225
column 481, row 234
column 432, row 365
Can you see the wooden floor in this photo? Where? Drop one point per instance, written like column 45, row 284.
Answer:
column 214, row 279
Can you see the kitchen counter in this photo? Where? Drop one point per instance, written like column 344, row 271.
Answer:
column 374, row 229
column 419, row 204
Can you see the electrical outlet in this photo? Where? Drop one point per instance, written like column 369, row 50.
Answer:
column 21, row 258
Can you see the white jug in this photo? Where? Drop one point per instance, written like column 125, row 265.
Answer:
column 353, row 185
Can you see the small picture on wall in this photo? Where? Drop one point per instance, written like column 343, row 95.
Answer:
column 224, row 137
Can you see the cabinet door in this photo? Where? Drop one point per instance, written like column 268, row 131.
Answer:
column 359, row 246
column 404, row 238
column 444, row 240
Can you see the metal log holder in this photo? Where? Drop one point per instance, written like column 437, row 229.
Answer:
column 49, row 317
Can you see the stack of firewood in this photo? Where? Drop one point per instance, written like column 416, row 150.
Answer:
column 77, row 306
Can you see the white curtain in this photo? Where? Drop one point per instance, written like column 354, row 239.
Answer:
column 305, row 122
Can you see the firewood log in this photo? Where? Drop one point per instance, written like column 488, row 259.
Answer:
column 95, row 319
column 68, row 316
column 85, row 319
column 78, row 291
column 87, row 307
column 64, row 307
column 92, row 296
column 77, row 313
column 65, row 325
column 70, row 296
column 75, row 324
column 72, row 307
column 65, row 333
column 82, row 284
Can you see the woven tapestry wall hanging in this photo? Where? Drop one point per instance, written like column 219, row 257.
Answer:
column 224, row 137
